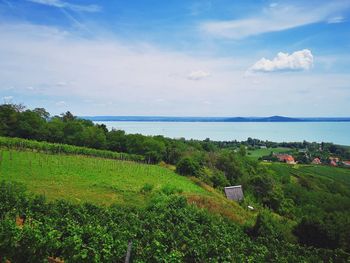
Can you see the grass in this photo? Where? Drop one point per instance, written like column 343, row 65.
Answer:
column 326, row 174
column 100, row 181
column 256, row 154
column 82, row 178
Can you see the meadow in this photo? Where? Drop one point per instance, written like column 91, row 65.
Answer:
column 257, row 153
column 80, row 179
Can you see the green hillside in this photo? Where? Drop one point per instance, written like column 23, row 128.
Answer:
column 80, row 179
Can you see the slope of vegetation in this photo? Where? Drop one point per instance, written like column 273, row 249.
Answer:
column 81, row 178
column 301, row 212
column 167, row 230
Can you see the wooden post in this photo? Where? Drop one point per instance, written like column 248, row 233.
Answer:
column 128, row 252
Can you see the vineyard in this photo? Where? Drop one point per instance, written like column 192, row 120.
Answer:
column 56, row 148
column 167, row 230
column 81, row 178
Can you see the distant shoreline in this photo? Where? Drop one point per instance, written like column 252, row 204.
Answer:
column 214, row 119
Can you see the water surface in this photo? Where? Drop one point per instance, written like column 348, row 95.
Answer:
column 336, row 132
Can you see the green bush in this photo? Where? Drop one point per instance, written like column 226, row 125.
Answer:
column 188, row 166
column 146, row 188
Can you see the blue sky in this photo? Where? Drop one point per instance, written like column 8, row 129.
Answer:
column 177, row 57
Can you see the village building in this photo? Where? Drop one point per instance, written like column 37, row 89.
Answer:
column 346, row 163
column 234, row 192
column 285, row 158
column 333, row 161
column 316, row 161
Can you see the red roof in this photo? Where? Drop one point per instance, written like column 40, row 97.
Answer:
column 285, row 158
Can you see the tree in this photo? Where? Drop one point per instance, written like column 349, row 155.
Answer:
column 68, row 116
column 187, row 166
column 311, row 232
column 30, row 126
column 42, row 113
column 8, row 119
column 116, row 141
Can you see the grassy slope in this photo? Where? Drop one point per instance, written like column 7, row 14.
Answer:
column 256, row 154
column 325, row 173
column 102, row 181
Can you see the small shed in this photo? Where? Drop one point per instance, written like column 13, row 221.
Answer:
column 234, row 192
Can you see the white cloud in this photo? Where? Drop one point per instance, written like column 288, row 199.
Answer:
column 133, row 76
column 63, row 4
column 336, row 20
column 298, row 60
column 273, row 19
column 198, row 75
column 60, row 103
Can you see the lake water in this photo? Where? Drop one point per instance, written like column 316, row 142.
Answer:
column 336, row 132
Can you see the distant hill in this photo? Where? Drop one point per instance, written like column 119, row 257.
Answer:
column 215, row 119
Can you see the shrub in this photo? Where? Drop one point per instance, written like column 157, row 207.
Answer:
column 188, row 166
column 146, row 188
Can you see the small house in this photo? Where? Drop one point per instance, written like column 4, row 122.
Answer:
column 234, row 192
column 333, row 161
column 285, row 158
column 316, row 161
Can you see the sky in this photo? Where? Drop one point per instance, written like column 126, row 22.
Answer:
column 177, row 57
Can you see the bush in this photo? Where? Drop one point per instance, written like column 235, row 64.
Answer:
column 219, row 180
column 188, row 166
column 146, row 188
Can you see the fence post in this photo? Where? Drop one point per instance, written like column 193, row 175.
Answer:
column 128, row 252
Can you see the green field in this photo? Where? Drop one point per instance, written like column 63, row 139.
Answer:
column 256, row 154
column 81, row 179
column 325, row 173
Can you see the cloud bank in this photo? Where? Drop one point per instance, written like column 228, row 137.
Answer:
column 298, row 60
column 275, row 18
column 63, row 4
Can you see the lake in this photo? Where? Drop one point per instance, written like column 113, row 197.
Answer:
column 336, row 132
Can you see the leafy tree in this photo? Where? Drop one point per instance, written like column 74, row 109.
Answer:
column 188, row 166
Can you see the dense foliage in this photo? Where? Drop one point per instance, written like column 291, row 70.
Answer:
column 168, row 230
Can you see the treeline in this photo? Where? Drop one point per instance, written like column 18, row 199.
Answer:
column 55, row 148
column 37, row 124
column 167, row 230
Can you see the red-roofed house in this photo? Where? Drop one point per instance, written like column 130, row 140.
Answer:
column 286, row 158
column 333, row 163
